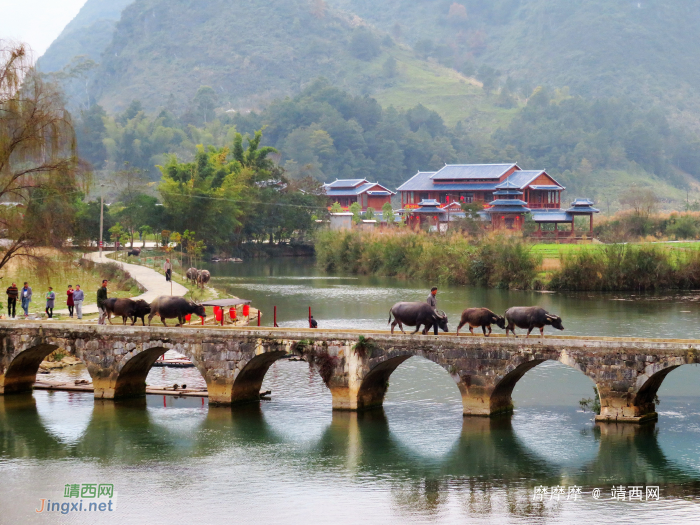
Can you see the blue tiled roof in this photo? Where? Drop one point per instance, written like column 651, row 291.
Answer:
column 550, row 187
column 419, row 182
column 507, row 209
column 472, row 171
column 583, row 209
column 345, row 183
column 508, row 202
column 428, row 202
column 380, row 193
column 351, row 192
column 552, row 216
column 508, row 184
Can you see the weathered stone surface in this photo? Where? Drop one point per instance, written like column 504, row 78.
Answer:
column 233, row 362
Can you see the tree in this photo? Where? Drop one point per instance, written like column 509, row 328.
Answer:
column 145, row 231
column 336, row 208
column 369, row 214
column 117, row 233
column 38, row 161
column 388, row 213
column 389, row 67
column 364, row 44
column 457, row 13
column 356, row 210
column 205, row 101
column 642, row 201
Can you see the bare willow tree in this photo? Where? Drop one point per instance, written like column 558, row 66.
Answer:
column 39, row 168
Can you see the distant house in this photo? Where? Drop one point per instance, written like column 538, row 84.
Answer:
column 367, row 194
column 507, row 193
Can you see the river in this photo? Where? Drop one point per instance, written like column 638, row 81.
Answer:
column 292, row 460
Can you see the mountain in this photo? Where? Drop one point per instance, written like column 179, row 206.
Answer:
column 88, row 34
column 639, row 50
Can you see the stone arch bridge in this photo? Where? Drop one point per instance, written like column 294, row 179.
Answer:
column 627, row 372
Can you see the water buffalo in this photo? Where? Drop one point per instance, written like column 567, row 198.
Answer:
column 127, row 308
column 417, row 314
column 134, row 251
column 203, row 277
column 531, row 317
column 192, row 275
column 167, row 307
column 482, row 317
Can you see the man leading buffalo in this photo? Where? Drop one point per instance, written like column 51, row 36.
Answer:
column 432, row 301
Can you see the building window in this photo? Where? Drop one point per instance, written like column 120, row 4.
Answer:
column 423, row 196
column 443, row 198
column 467, row 198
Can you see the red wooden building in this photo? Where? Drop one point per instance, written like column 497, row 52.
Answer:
column 507, row 193
column 367, row 194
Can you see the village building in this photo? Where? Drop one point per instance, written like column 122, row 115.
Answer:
column 366, row 194
column 508, row 195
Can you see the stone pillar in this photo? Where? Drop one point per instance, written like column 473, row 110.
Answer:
column 621, row 405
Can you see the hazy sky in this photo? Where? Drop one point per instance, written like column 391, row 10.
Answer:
column 36, row 22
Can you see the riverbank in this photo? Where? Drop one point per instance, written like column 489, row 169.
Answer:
column 510, row 261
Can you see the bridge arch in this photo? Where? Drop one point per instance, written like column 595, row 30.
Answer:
column 18, row 374
column 248, row 381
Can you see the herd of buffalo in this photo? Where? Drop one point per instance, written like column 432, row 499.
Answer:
column 422, row 314
column 409, row 314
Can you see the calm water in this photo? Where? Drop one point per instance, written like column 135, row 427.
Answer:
column 292, row 460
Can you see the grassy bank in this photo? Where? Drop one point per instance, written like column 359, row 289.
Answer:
column 497, row 261
column 503, row 261
column 59, row 269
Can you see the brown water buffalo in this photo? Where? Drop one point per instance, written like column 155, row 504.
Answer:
column 203, row 277
column 531, row 317
column 167, row 307
column 127, row 308
column 417, row 314
column 482, row 317
column 192, row 275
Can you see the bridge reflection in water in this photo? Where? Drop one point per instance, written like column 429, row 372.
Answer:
column 416, row 456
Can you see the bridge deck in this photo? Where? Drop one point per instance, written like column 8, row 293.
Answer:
column 344, row 333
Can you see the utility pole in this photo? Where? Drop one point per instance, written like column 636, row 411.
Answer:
column 102, row 214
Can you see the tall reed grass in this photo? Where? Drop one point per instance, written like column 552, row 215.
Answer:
column 620, row 267
column 496, row 261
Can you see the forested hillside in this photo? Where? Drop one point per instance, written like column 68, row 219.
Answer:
column 599, row 93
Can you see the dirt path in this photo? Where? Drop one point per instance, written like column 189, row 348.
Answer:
column 154, row 282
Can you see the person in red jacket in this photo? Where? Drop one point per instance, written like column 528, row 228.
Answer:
column 70, row 301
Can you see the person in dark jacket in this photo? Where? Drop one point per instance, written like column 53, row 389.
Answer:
column 101, row 299
column 432, row 301
column 312, row 322
column 12, row 294
column 70, row 302
column 50, row 302
column 26, row 295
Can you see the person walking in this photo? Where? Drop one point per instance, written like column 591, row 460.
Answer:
column 168, row 269
column 78, row 298
column 101, row 299
column 50, row 302
column 70, row 302
column 432, row 301
column 26, row 294
column 12, row 294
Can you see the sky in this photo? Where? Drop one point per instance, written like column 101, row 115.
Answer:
column 36, row 22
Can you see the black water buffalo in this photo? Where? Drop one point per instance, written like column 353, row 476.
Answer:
column 482, row 317
column 127, row 308
column 167, row 307
column 203, row 277
column 134, row 251
column 531, row 317
column 417, row 314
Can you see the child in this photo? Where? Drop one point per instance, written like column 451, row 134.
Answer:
column 50, row 299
